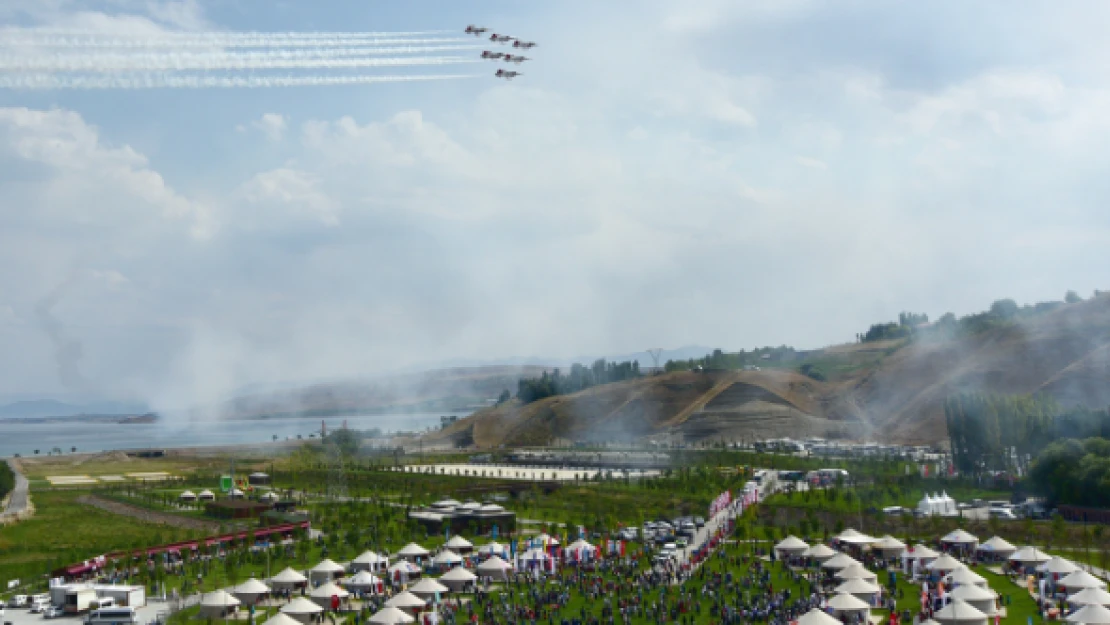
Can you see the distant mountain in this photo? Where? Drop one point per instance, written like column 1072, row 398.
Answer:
column 681, row 353
column 38, row 408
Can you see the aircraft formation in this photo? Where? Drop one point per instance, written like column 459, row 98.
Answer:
column 519, row 44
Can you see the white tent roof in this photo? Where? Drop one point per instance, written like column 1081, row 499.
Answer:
column 428, row 586
column 945, row 563
column 839, row 561
column 1058, row 566
column 1079, row 580
column 844, row 601
column 188, row 495
column 251, row 587
column 997, row 544
column 580, row 544
column 855, row 571
column 327, row 566
column 369, row 557
column 959, row 537
column 1092, row 614
column 494, row 564
column 490, row 548
column 971, row 592
column 535, row 554
column 1030, row 554
column 889, row 542
column 301, row 605
column 327, row 590
column 206, row 493
column 1090, row 595
column 853, row 537
column 966, row 576
column 792, row 543
column 817, row 616
column 412, row 550
column 282, row 619
column 218, row 599
column 402, row 565
column 458, row 574
column 389, row 615
column 405, row 600
column 857, row 586
column 458, row 542
column 447, row 557
column 288, row 576
column 362, row 578
column 959, row 610
column 920, row 552
column 819, row 551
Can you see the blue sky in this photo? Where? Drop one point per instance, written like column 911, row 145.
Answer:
column 710, row 172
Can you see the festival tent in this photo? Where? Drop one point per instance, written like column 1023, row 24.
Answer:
column 844, row 603
column 412, row 551
column 535, row 559
column 458, row 544
column 860, row 589
column 819, row 552
column 389, row 616
column 1090, row 596
column 791, row 546
column 937, row 505
column 856, row 571
column 326, row 570
column 323, row 594
column 457, row 578
column 966, row 577
column 889, row 546
column 1093, row 614
column 979, row 598
column 945, row 564
column 1057, row 566
column 852, row 537
column 369, row 561
column 1079, row 580
column 958, row 612
column 406, row 601
column 495, row 567
column 270, row 497
column 1029, row 556
column 580, row 550
column 281, row 619
column 428, row 589
column 302, row 609
column 492, row 549
column 998, row 548
column 447, row 558
column 817, row 616
column 288, row 579
column 959, row 537
column 206, row 495
column 364, row 581
column 187, row 496
column 402, row 570
column 217, row 604
column 250, row 591
column 839, row 561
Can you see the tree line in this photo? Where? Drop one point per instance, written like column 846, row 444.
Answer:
column 1002, row 432
column 719, row 359
column 1073, row 471
column 578, row 378
column 7, row 480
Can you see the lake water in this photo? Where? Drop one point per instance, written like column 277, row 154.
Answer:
column 25, row 438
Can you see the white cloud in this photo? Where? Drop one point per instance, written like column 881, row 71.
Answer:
column 273, row 125
column 295, row 189
column 814, row 163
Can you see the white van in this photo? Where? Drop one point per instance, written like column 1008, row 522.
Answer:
column 39, row 603
column 111, row 616
column 20, row 601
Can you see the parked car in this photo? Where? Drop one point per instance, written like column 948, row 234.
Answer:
column 53, row 612
column 1002, row 514
column 699, row 521
column 681, row 543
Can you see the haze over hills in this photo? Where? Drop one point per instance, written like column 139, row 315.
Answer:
column 888, row 390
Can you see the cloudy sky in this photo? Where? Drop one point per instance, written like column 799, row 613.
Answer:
column 665, row 173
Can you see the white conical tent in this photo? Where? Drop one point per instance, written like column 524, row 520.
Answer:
column 889, row 546
column 819, row 552
column 817, row 616
column 998, row 547
column 363, row 580
column 859, row 588
column 495, row 567
column 369, row 561
column 493, row 548
column 966, row 577
column 390, row 615
column 406, row 601
column 447, row 558
column 792, row 545
column 457, row 578
column 839, row 561
column 1092, row 614
column 920, row 552
column 459, row 544
column 1090, row 596
column 217, row 603
column 959, row 537
column 301, row 609
column 979, row 598
column 945, row 564
column 852, row 537
column 411, row 551
column 958, row 611
column 843, row 602
column 1079, row 580
column 250, row 591
column 323, row 594
column 326, row 570
column 428, row 588
column 1057, row 566
column 187, row 495
column 287, row 579
column 281, row 619
column 856, row 571
column 1029, row 555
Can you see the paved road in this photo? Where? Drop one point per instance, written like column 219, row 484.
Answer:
column 20, row 495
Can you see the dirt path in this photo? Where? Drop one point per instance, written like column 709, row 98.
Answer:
column 17, row 505
column 149, row 516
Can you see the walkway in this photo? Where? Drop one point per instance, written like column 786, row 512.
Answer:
column 19, row 500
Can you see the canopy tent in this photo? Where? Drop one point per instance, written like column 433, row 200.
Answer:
column 997, row 547
column 402, row 570
column 852, row 537
column 819, row 552
column 287, row 579
column 1029, row 556
column 412, row 551
column 364, row 581
column 218, row 603
column 447, row 558
column 428, row 589
column 856, row 571
column 369, row 561
column 495, row 567
column 979, row 598
column 839, row 561
column 817, row 616
column 889, row 546
column 535, row 559
column 301, row 609
column 250, row 591
column 1090, row 596
column 326, row 570
column 580, row 550
column 960, row 612
column 458, row 544
column 492, row 549
column 1057, row 566
column 1092, row 614
column 270, row 497
column 959, row 537
column 860, row 589
column 920, row 552
column 457, row 579
column 792, row 546
column 937, row 505
column 966, row 577
column 281, row 619
column 187, row 496
column 945, row 564
column 323, row 594
column 206, row 495
column 1078, row 580
column 390, row 615
column 844, row 603
column 406, row 601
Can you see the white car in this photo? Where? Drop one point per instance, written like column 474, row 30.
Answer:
column 53, row 612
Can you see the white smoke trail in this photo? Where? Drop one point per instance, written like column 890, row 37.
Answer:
column 169, row 81
column 207, row 62
column 218, row 40
column 295, row 53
